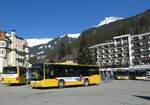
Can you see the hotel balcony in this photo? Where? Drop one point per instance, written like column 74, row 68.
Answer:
column 136, row 53
column 118, row 44
column 126, row 51
column 145, row 53
column 111, row 46
column 125, row 48
column 125, row 55
column 146, row 45
column 146, row 58
column 116, row 55
column 112, row 51
column 145, row 49
column 135, row 39
column 112, row 54
column 142, row 39
column 136, row 46
column 145, row 40
column 106, row 47
column 136, row 62
column 99, row 52
column 125, row 64
column 118, row 50
column 119, row 59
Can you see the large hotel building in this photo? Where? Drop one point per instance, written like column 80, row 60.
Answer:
column 14, row 50
column 124, row 51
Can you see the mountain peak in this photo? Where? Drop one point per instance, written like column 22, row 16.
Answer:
column 108, row 20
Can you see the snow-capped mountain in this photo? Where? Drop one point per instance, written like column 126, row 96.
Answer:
column 108, row 20
column 51, row 46
column 37, row 41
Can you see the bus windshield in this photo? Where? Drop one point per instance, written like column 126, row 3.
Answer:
column 10, row 70
column 36, row 73
column 122, row 73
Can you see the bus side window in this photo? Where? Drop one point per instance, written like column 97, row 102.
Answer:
column 77, row 73
column 59, row 73
column 71, row 72
column 94, row 71
column 52, row 72
column 48, row 74
column 85, row 72
column 66, row 72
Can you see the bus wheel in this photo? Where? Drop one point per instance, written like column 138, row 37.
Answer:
column 61, row 84
column 86, row 82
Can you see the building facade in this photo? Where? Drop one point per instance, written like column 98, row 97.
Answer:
column 14, row 50
column 124, row 51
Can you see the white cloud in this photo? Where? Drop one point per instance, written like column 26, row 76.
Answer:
column 38, row 41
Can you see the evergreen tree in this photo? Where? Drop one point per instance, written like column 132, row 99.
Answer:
column 61, row 51
column 83, row 56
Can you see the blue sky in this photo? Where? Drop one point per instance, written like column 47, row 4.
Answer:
column 50, row 18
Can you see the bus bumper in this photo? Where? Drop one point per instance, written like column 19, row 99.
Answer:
column 123, row 77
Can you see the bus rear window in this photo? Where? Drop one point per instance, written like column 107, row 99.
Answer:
column 10, row 70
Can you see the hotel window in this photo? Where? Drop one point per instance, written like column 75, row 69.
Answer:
column 136, row 38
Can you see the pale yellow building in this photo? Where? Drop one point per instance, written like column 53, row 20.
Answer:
column 14, row 50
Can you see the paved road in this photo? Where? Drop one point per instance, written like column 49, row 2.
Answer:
column 124, row 92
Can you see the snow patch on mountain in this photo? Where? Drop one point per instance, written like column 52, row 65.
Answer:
column 40, row 47
column 45, row 46
column 49, row 46
column 55, row 42
column 38, row 41
column 76, row 35
column 108, row 20
column 40, row 52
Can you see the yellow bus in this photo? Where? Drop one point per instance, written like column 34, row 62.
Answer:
column 14, row 75
column 61, row 75
column 142, row 74
column 122, row 74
